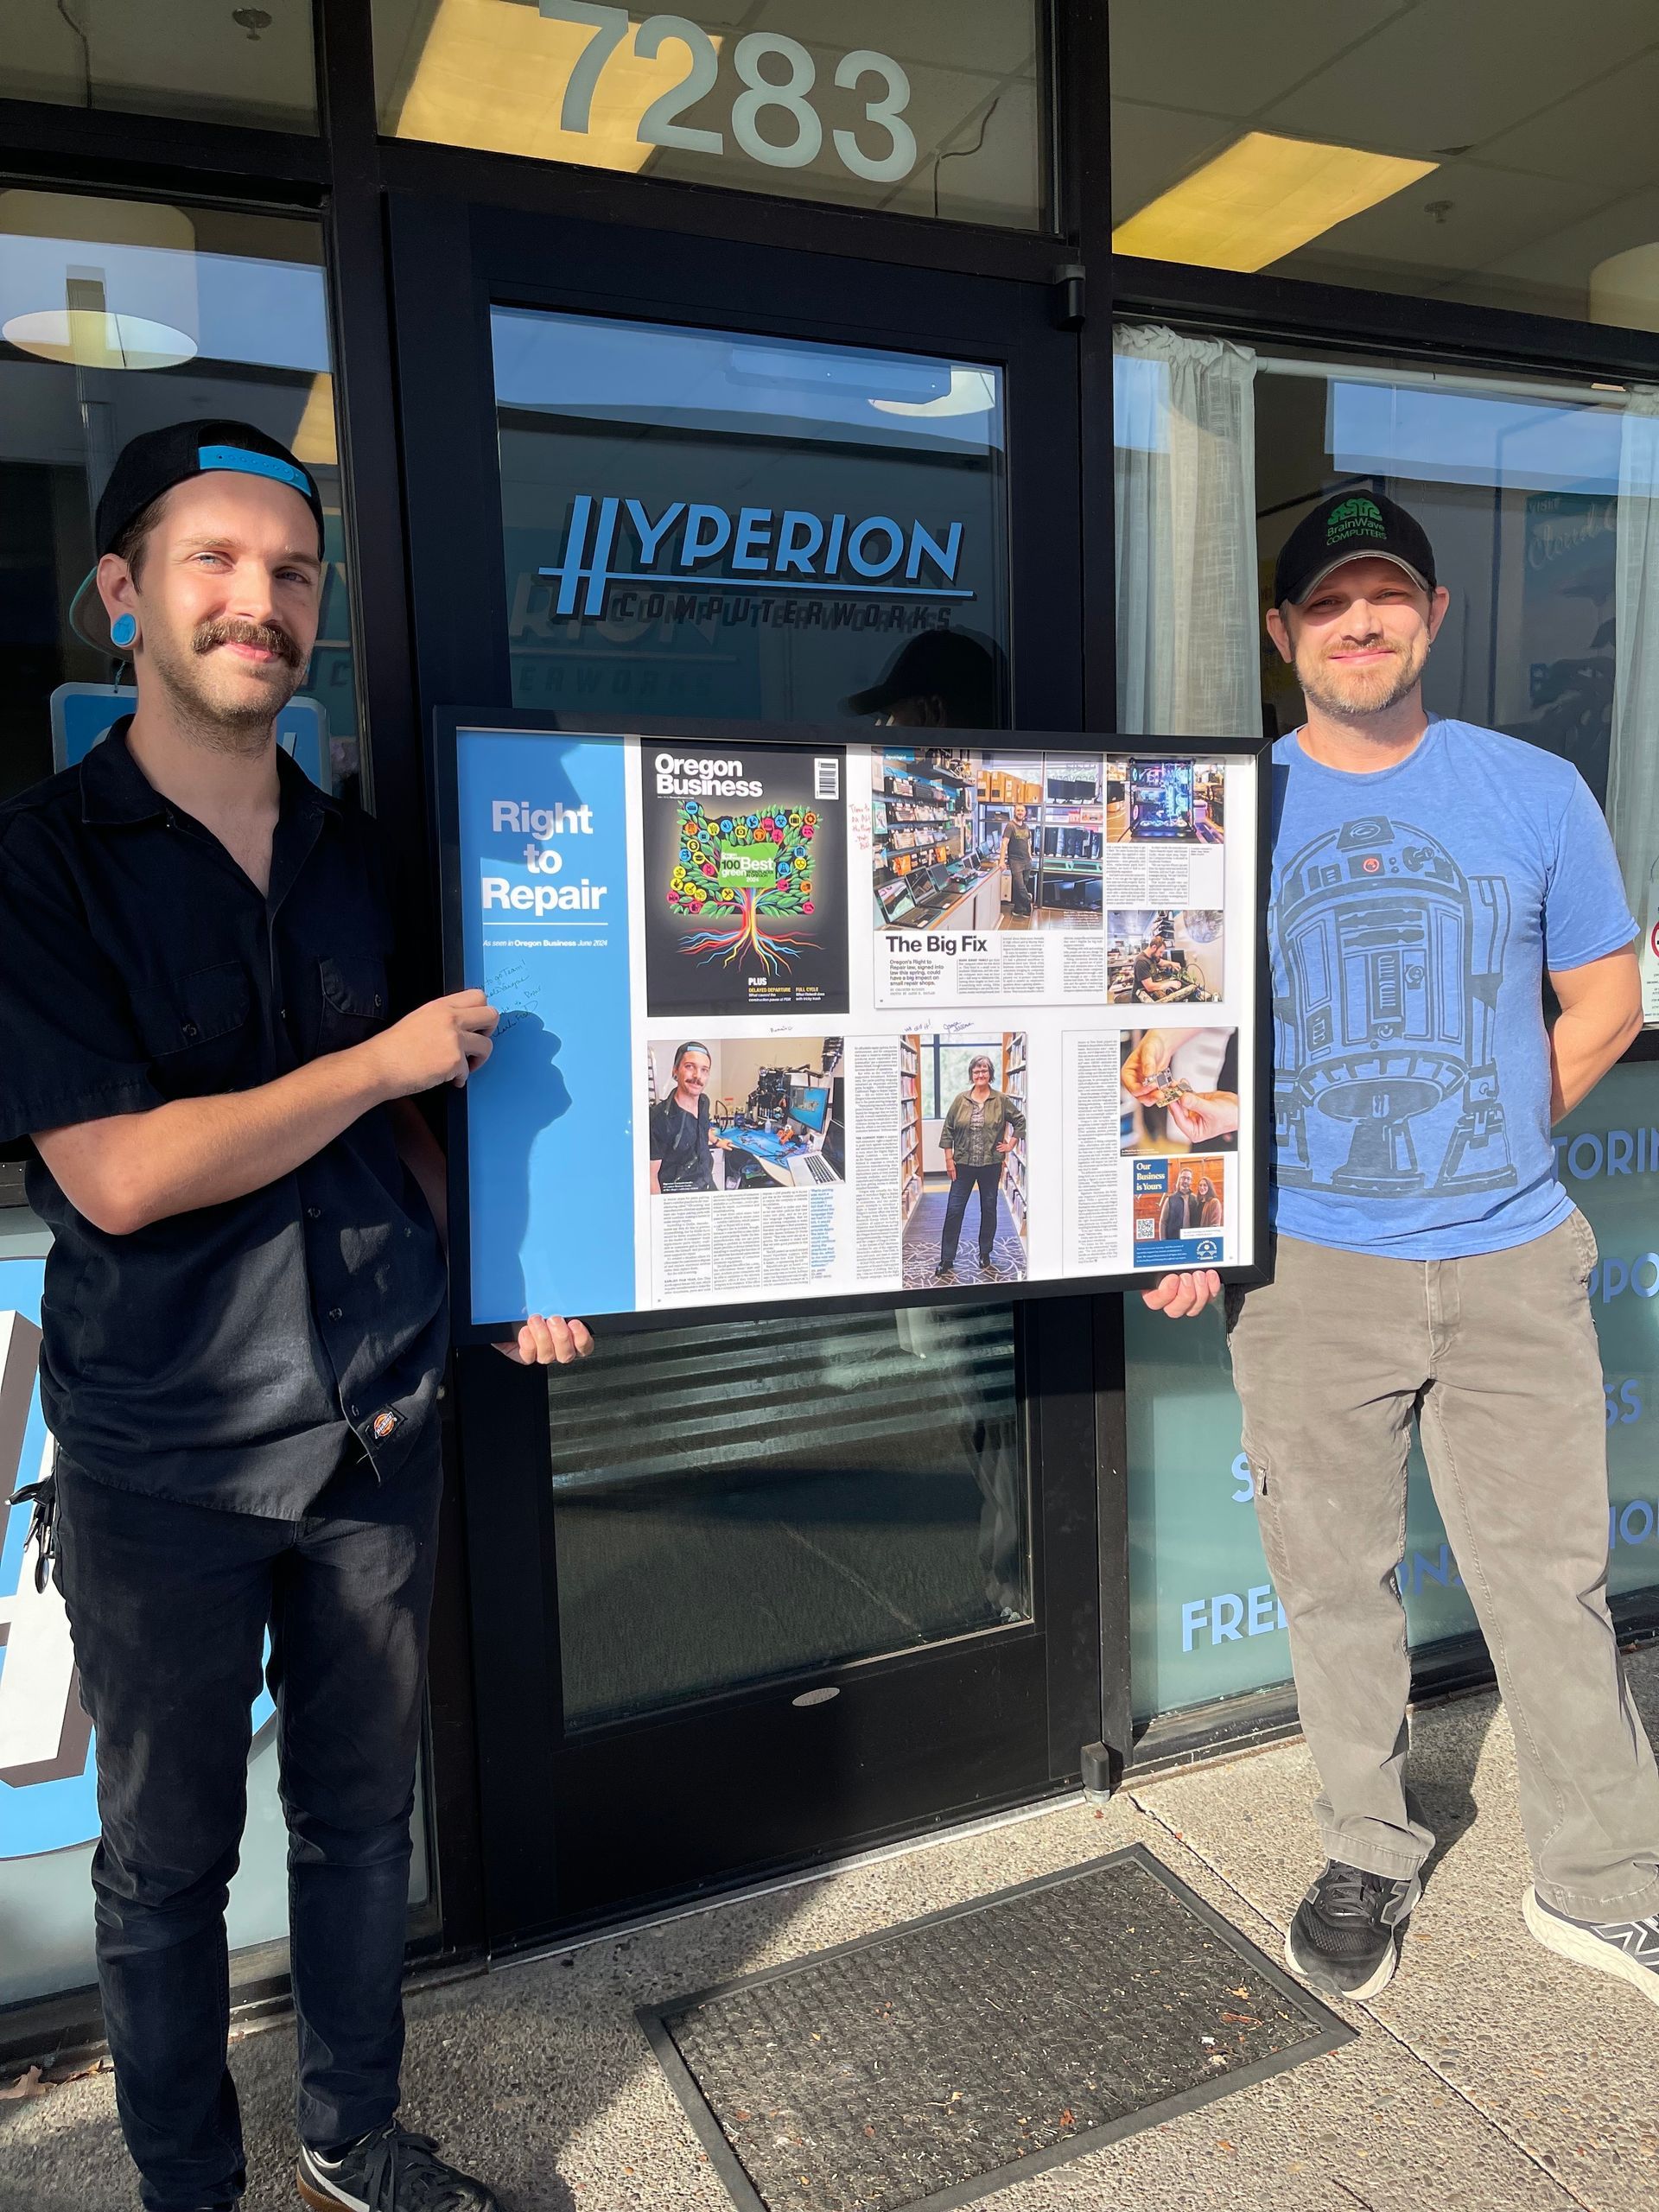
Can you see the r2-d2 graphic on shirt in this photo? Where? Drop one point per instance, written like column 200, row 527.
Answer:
column 1387, row 963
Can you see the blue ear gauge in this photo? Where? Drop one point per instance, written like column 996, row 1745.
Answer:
column 124, row 630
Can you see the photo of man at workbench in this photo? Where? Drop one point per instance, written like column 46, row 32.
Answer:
column 745, row 1114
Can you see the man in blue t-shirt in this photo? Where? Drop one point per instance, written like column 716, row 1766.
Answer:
column 1427, row 1260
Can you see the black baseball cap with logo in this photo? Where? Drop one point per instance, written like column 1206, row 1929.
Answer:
column 1351, row 526
column 955, row 667
column 154, row 462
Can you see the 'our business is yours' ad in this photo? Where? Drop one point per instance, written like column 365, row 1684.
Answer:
column 801, row 1019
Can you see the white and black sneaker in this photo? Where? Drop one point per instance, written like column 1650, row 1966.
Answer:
column 1344, row 1940
column 1629, row 1949
column 390, row 2170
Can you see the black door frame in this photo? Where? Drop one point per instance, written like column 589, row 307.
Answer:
column 913, row 1738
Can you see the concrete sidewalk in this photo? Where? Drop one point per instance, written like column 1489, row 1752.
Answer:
column 1490, row 2074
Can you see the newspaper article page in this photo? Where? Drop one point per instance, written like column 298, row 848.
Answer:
column 745, row 1147
column 986, row 876
column 805, row 1021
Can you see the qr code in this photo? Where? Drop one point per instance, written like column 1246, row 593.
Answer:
column 826, row 778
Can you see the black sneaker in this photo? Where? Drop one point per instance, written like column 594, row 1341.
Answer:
column 1629, row 1949
column 1344, row 1939
column 390, row 2170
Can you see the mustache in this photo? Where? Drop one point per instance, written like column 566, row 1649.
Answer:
column 269, row 637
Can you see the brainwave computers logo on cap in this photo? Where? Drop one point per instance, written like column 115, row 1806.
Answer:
column 1353, row 518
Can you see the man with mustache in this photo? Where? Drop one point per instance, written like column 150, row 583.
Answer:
column 245, row 1318
column 1427, row 1262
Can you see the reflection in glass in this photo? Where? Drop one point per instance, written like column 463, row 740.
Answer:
column 750, row 1501
column 116, row 316
column 1501, row 152
column 207, row 61
column 1518, row 488
column 932, row 109
column 701, row 521
column 1524, row 487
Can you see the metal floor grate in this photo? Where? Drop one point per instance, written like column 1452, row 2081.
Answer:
column 926, row 2066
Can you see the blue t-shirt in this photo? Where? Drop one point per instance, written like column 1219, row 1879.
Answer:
column 1414, row 912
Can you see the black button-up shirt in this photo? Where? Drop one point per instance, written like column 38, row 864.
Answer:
column 226, row 1356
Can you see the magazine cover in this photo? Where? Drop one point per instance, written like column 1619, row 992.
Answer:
column 745, row 881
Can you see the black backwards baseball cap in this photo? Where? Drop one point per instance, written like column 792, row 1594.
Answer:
column 954, row 665
column 153, row 463
column 1351, row 526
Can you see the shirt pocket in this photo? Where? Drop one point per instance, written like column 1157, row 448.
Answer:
column 195, row 1029
column 355, row 999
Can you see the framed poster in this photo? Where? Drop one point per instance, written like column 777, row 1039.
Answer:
column 787, row 1017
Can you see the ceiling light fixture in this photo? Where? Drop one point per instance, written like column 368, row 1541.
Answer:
column 973, row 391
column 1262, row 199
column 100, row 283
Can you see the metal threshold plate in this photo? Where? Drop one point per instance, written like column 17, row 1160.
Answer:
column 928, row 2065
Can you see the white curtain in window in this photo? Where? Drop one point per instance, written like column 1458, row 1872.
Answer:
column 1188, row 645
column 1633, row 766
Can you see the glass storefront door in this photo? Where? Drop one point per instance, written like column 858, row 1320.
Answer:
column 813, row 1580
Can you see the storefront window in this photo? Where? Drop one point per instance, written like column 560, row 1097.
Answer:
column 931, row 110
column 48, row 1796
column 1500, row 152
column 1538, row 498
column 704, row 523
column 1541, row 498
column 116, row 316
column 1205, row 1621
column 204, row 60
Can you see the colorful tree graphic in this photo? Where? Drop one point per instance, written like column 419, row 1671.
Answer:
column 744, row 878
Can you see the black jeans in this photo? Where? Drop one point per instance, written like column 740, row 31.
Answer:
column 968, row 1180
column 168, row 1604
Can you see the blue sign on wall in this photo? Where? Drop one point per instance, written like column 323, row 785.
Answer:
column 48, row 1792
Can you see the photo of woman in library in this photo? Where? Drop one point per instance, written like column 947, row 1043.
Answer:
column 963, row 1108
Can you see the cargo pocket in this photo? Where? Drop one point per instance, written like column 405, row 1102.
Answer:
column 1267, row 1514
column 354, row 998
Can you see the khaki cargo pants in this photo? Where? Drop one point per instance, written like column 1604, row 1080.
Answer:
column 1496, row 1358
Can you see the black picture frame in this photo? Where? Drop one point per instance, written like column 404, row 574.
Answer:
column 448, row 721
